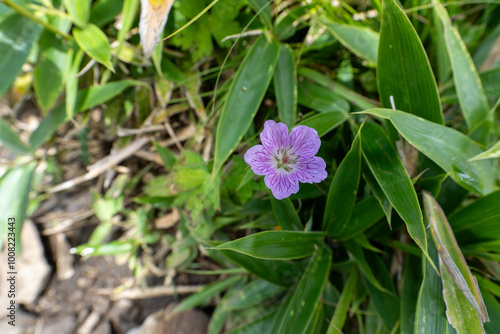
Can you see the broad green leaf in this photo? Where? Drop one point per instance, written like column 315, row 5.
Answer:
column 392, row 177
column 255, row 292
column 275, row 245
column 492, row 153
column 10, row 140
column 244, row 98
column 105, row 11
column 403, row 70
column 348, row 294
column 79, row 11
column 447, row 147
column 320, row 99
column 15, row 187
column 343, row 190
column 493, row 306
column 298, row 310
column 50, row 73
column 348, row 94
column 261, row 325
column 114, row 247
column 365, row 213
column 386, row 300
column 412, row 280
column 95, row 44
column 167, row 157
column 17, row 36
column 467, row 83
column 86, row 99
column 205, row 294
column 479, row 221
column 361, row 41
column 285, row 86
column 286, row 215
column 325, row 122
column 465, row 306
column 430, row 317
column 377, row 192
column 283, row 273
column 263, row 9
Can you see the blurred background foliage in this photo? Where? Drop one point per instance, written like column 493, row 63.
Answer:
column 403, row 96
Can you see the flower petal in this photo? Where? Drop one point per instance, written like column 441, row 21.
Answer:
column 310, row 169
column 274, row 136
column 304, row 141
column 281, row 184
column 259, row 159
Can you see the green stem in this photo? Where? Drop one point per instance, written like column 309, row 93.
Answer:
column 28, row 14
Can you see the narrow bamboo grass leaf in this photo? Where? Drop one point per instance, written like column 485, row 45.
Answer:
column 263, row 9
column 244, row 98
column 403, row 70
column 348, row 294
column 430, row 317
column 72, row 82
column 325, row 122
column 320, row 99
column 358, row 100
column 79, row 11
column 298, row 310
column 114, row 247
column 467, row 83
column 275, row 245
column 261, row 325
column 493, row 306
column 283, row 273
column 343, row 190
column 358, row 254
column 492, row 153
column 86, row 99
column 365, row 213
column 95, row 44
column 478, row 222
column 15, row 187
column 465, row 306
column 254, row 293
column 285, row 86
column 11, row 140
column 52, row 68
column 361, row 41
column 386, row 302
column 17, row 34
column 412, row 281
column 447, row 147
column 286, row 215
column 205, row 294
column 377, row 192
column 392, row 177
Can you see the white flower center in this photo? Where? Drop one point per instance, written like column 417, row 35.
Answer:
column 285, row 160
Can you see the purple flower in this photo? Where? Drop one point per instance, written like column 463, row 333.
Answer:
column 287, row 158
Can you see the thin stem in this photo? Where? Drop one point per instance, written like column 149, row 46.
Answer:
column 29, row 15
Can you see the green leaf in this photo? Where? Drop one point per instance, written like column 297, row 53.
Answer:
column 167, row 157
column 492, row 153
column 447, row 147
column 343, row 190
column 430, row 317
column 412, row 280
column 104, row 11
column 365, row 213
column 72, row 83
column 465, row 306
column 254, row 293
column 467, row 83
column 263, row 9
column 52, row 68
column 361, row 41
column 114, row 247
column 79, row 11
column 320, row 99
column 478, row 222
column 244, row 98
column 403, row 70
column 261, row 325
column 286, row 215
column 95, row 44
column 15, row 187
column 205, row 294
column 17, row 36
column 392, row 177
column 275, row 245
column 10, row 140
column 86, row 99
column 348, row 294
column 298, row 309
column 325, row 122
column 285, row 86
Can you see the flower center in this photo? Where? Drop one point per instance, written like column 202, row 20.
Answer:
column 285, row 160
